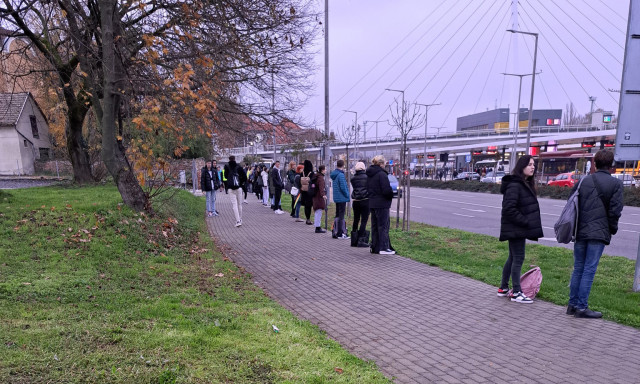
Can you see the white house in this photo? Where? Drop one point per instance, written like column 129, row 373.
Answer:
column 24, row 134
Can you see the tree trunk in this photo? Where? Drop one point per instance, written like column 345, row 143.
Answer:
column 76, row 145
column 113, row 153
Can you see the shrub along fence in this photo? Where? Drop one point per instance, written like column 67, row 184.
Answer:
column 631, row 195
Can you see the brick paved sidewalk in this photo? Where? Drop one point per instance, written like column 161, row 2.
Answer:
column 418, row 323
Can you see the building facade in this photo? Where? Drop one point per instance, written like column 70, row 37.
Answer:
column 497, row 120
column 24, row 134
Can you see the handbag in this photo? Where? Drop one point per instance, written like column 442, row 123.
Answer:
column 294, row 191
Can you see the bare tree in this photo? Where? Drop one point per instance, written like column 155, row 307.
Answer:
column 407, row 118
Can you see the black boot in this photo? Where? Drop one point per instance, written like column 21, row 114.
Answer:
column 363, row 241
column 571, row 310
column 587, row 314
column 320, row 230
column 354, row 238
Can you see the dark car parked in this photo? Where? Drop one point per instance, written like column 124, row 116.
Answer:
column 468, row 176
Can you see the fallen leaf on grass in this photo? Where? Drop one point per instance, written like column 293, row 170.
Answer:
column 26, row 283
column 219, row 275
column 339, row 370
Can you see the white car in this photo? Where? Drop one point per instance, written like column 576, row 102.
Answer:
column 627, row 180
column 493, row 177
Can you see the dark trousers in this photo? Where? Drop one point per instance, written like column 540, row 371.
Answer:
column 360, row 214
column 341, row 208
column 380, row 229
column 259, row 192
column 513, row 267
column 293, row 205
column 308, row 204
column 276, row 199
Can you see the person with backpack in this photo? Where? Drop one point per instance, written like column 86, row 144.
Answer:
column 234, row 178
column 519, row 221
column 360, row 196
column 380, row 197
column 319, row 197
column 341, row 198
column 305, row 180
column 209, row 183
column 600, row 204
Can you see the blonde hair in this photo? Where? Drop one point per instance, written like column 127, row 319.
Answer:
column 360, row 166
column 378, row 160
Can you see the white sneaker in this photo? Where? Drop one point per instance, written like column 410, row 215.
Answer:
column 238, row 223
column 279, row 212
column 245, row 202
column 520, row 297
column 388, row 252
column 345, row 237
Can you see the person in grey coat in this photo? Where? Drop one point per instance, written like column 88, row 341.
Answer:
column 599, row 208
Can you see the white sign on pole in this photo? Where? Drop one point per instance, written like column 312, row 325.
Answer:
column 628, row 133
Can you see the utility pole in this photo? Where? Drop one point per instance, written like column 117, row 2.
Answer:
column 325, row 145
column 375, row 121
column 592, row 99
column 426, row 113
column 516, row 128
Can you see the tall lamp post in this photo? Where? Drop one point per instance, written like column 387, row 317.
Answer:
column 533, row 82
column 517, row 126
column 376, row 121
column 426, row 113
column 401, row 156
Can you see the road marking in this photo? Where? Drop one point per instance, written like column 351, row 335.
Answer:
column 460, row 214
column 474, row 210
column 548, row 239
column 548, row 214
column 460, row 202
column 413, row 206
column 547, row 227
column 628, row 223
column 628, row 230
column 559, row 206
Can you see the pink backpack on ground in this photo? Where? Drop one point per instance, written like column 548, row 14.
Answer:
column 530, row 282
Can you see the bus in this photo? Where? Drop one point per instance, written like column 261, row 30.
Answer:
column 492, row 165
column 551, row 164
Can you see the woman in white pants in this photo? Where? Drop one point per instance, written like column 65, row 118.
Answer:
column 265, row 187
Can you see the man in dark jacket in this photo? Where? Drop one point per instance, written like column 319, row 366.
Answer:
column 599, row 208
column 278, row 185
column 380, row 196
column 209, row 183
column 234, row 178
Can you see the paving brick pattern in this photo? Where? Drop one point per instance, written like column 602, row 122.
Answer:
column 418, row 323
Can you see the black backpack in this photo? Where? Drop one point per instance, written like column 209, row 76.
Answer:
column 313, row 186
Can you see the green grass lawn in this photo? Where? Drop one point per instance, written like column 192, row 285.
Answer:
column 481, row 257
column 93, row 292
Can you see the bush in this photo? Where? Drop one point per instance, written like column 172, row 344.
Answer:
column 631, row 195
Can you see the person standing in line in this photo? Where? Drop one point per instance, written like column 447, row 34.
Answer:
column 265, row 186
column 340, row 197
column 291, row 176
column 380, row 196
column 520, row 220
column 272, row 191
column 360, row 207
column 307, row 200
column 320, row 199
column 297, row 199
column 278, row 185
column 234, row 179
column 600, row 205
column 209, row 183
column 245, row 187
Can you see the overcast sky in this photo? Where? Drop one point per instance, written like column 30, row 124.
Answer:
column 453, row 52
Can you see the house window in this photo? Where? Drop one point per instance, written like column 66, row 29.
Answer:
column 25, row 143
column 44, row 153
column 34, row 127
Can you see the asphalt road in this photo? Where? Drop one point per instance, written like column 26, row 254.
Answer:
column 480, row 213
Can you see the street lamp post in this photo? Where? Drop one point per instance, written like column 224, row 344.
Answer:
column 375, row 121
column 426, row 113
column 517, row 126
column 533, row 82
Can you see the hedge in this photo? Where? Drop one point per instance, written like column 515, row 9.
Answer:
column 631, row 195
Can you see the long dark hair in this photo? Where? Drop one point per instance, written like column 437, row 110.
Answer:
column 518, row 171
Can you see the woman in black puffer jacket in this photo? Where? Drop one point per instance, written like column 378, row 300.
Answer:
column 360, row 207
column 520, row 220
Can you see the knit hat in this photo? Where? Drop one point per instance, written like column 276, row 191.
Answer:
column 360, row 166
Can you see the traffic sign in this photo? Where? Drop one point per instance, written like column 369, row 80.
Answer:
column 467, row 158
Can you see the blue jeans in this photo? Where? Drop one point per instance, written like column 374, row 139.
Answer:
column 211, row 200
column 297, row 209
column 586, row 256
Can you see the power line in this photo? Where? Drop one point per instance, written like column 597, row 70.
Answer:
column 549, row 64
column 391, row 51
column 506, row 63
column 596, row 24
column 399, row 58
column 613, row 11
column 449, row 58
column 573, row 53
column 402, row 72
column 490, row 72
column 544, row 89
column 585, row 31
column 624, row 32
column 477, row 63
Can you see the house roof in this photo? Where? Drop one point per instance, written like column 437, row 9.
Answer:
column 11, row 106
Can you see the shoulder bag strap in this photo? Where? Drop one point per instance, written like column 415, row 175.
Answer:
column 600, row 194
